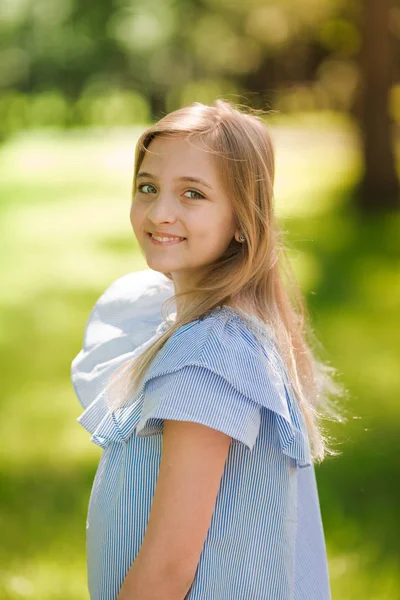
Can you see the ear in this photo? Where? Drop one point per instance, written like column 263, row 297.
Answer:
column 238, row 234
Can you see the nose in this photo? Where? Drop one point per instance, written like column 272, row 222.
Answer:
column 162, row 210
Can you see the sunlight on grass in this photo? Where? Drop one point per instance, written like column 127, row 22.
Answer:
column 375, row 584
column 47, row 579
column 49, row 427
column 44, row 157
column 311, row 167
column 61, row 244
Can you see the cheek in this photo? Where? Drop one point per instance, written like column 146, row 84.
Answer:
column 221, row 229
column 135, row 216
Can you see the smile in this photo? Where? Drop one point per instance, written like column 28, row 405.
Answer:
column 169, row 242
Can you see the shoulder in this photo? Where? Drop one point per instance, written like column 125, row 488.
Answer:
column 218, row 331
column 226, row 345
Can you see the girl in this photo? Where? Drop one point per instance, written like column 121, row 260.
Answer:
column 208, row 421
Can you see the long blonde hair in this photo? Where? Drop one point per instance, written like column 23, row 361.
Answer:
column 254, row 270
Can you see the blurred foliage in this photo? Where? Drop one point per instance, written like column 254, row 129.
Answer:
column 62, row 62
column 66, row 235
column 77, row 63
column 51, row 110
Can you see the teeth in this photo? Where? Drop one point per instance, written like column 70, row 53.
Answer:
column 165, row 239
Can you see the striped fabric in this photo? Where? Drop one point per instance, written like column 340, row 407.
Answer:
column 265, row 539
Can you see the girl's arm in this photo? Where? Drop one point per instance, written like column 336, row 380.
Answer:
column 192, row 464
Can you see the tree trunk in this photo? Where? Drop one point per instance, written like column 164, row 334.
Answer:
column 379, row 189
column 157, row 104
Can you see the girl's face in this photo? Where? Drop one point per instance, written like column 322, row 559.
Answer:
column 179, row 193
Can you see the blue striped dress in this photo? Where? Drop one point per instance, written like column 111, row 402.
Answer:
column 266, row 539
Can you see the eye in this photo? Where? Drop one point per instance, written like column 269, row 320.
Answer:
column 144, row 185
column 199, row 196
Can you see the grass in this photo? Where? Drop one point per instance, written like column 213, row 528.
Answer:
column 66, row 236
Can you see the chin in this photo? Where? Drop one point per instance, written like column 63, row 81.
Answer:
column 160, row 267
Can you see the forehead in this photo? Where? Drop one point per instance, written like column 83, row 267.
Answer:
column 173, row 155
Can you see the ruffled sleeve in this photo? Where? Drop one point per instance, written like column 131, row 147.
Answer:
column 124, row 318
column 216, row 372
column 198, row 394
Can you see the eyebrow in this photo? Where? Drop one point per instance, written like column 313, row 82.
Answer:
column 187, row 178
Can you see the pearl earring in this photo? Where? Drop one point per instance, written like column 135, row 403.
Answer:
column 242, row 238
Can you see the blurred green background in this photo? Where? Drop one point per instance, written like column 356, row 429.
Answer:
column 78, row 82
